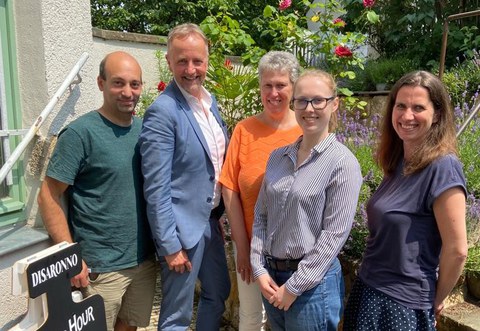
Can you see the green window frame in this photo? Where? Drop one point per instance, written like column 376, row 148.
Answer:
column 12, row 199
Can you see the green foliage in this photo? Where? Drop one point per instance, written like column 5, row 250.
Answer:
column 387, row 71
column 414, row 28
column 469, row 153
column 463, row 80
column 146, row 16
column 226, row 35
column 473, row 259
column 150, row 93
column 159, row 17
column 164, row 73
column 234, row 85
column 287, row 31
column 147, row 97
column 236, row 88
column 372, row 176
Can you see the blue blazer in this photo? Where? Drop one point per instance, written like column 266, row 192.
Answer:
column 178, row 171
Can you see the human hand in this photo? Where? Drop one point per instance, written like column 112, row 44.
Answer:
column 282, row 299
column 267, row 285
column 179, row 262
column 81, row 280
column 438, row 307
column 244, row 267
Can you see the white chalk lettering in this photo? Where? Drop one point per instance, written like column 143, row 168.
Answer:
column 76, row 323
column 54, row 269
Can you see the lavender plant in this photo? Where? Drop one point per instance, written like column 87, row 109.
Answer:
column 359, row 132
column 469, row 153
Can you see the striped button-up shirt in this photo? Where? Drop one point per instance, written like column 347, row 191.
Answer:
column 306, row 212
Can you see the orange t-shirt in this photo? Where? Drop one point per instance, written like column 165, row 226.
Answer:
column 248, row 151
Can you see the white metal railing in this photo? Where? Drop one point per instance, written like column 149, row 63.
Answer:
column 469, row 118
column 43, row 115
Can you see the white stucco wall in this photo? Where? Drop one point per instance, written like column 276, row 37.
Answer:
column 51, row 36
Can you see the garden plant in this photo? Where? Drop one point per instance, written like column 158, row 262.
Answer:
column 234, row 82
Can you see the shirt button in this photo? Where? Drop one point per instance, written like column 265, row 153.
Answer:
column 209, row 199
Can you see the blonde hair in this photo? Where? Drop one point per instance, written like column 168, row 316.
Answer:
column 183, row 31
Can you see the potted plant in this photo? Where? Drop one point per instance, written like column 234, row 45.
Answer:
column 472, row 270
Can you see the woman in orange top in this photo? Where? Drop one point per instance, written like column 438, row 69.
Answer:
column 250, row 146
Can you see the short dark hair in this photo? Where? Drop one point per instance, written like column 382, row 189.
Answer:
column 101, row 71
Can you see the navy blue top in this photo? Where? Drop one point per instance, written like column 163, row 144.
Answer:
column 403, row 248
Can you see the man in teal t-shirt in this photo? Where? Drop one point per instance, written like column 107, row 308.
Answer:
column 96, row 162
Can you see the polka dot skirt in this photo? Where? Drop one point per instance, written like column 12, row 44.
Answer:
column 368, row 309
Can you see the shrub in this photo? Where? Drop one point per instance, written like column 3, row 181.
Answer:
column 387, row 71
column 150, row 93
column 463, row 80
column 473, row 259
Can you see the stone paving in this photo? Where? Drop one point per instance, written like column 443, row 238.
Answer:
column 156, row 310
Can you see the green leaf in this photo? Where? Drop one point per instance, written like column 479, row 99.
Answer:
column 350, row 74
column 345, row 91
column 268, row 11
column 372, row 17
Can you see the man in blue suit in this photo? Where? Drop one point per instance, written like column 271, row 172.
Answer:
column 183, row 143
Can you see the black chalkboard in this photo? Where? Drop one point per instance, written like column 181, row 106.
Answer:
column 51, row 275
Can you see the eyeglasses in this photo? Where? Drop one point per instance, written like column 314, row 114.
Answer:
column 317, row 103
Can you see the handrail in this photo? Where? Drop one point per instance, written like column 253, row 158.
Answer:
column 443, row 51
column 41, row 118
column 469, row 118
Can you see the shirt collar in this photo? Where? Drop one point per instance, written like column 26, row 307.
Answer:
column 204, row 97
column 319, row 148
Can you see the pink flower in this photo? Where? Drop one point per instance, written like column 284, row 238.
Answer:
column 161, row 86
column 343, row 51
column 368, row 3
column 339, row 22
column 284, row 4
column 228, row 64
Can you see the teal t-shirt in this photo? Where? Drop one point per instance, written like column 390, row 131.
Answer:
column 106, row 209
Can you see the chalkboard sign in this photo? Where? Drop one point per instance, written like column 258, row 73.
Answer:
column 51, row 275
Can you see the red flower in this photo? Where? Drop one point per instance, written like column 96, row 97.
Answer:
column 161, row 86
column 343, row 51
column 284, row 4
column 228, row 64
column 339, row 22
column 368, row 3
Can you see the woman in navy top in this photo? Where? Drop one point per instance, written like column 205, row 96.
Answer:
column 417, row 244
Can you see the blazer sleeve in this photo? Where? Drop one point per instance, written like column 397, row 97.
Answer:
column 157, row 144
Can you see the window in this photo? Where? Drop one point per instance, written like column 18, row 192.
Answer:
column 12, row 190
